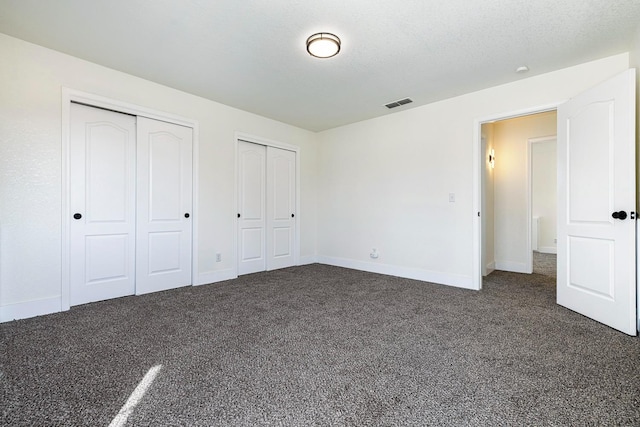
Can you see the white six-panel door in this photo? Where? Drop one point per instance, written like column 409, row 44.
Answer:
column 597, row 202
column 252, row 163
column 164, row 217
column 102, row 204
column 281, row 190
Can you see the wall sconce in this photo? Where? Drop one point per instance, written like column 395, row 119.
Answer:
column 492, row 158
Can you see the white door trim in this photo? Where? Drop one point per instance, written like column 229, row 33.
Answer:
column 530, row 143
column 478, row 164
column 72, row 95
column 240, row 136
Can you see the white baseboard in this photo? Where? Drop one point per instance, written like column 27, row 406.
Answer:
column 215, row 276
column 309, row 259
column 548, row 249
column 458, row 281
column 490, row 268
column 41, row 307
column 24, row 310
column 514, row 267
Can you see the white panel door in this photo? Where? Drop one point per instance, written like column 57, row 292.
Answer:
column 102, row 204
column 281, row 191
column 251, row 207
column 164, row 208
column 596, row 200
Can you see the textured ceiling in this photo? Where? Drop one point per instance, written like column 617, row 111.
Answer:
column 250, row 54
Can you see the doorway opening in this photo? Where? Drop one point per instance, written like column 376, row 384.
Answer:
column 519, row 192
column 507, row 233
column 596, row 166
column 543, row 173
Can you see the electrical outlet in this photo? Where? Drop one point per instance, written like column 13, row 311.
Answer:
column 218, row 257
column 374, row 253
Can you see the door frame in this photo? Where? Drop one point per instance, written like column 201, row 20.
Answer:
column 478, row 194
column 531, row 142
column 76, row 96
column 240, row 136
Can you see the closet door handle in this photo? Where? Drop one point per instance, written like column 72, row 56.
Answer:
column 186, row 215
column 77, row 216
column 238, row 215
column 293, row 215
column 619, row 215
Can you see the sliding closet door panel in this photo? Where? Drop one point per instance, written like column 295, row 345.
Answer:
column 251, row 207
column 164, row 207
column 102, row 204
column 281, row 190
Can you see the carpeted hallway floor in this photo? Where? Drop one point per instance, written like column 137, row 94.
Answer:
column 321, row 345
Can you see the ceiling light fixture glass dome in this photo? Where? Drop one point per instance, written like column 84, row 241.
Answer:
column 323, row 45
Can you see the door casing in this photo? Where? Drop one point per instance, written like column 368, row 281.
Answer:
column 478, row 164
column 530, row 145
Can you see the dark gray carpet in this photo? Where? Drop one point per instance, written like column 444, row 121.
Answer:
column 320, row 345
column 545, row 264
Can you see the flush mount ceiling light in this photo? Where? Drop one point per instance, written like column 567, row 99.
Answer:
column 323, row 45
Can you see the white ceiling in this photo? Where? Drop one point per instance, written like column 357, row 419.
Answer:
column 251, row 54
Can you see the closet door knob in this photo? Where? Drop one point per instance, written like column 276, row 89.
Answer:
column 77, row 216
column 619, row 215
column 186, row 215
column 292, row 215
column 238, row 215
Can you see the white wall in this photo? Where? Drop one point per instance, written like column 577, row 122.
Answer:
column 386, row 181
column 380, row 183
column 511, row 187
column 544, row 193
column 31, row 78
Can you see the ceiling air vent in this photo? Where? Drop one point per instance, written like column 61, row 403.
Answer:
column 395, row 104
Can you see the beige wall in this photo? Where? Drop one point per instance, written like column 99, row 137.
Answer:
column 31, row 78
column 386, row 181
column 488, row 262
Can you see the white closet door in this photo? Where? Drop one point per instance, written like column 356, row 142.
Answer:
column 251, row 207
column 281, row 190
column 102, row 204
column 164, row 209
